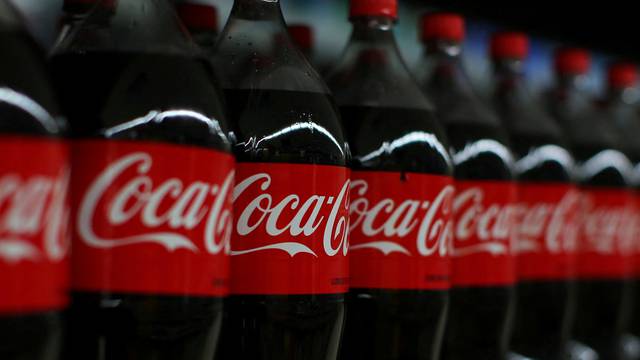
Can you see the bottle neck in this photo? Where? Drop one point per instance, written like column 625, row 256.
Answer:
column 509, row 73
column 442, row 65
column 444, row 50
column 571, row 82
column 256, row 10
column 373, row 44
column 255, row 51
column 625, row 96
column 442, row 76
column 372, row 50
column 441, row 69
column 571, row 85
column 374, row 31
column 372, row 70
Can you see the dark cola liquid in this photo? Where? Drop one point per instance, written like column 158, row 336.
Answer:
column 383, row 323
column 283, row 327
column 553, row 299
column 479, row 317
column 34, row 336
column 102, row 93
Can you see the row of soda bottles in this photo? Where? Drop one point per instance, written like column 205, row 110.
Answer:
column 361, row 223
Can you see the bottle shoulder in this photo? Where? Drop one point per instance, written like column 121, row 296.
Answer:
column 524, row 115
column 538, row 160
column 457, row 102
column 601, row 166
column 26, row 97
column 260, row 55
column 396, row 139
column 480, row 152
column 280, row 110
column 626, row 121
column 286, row 126
column 376, row 76
column 592, row 139
column 537, row 141
column 141, row 96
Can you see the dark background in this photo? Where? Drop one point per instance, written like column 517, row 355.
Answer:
column 609, row 28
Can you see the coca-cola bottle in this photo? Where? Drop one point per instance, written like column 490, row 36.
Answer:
column 603, row 239
column 483, row 268
column 547, row 211
column 202, row 22
column 302, row 36
column 152, row 186
column 401, row 196
column 34, row 209
column 289, row 244
column 621, row 102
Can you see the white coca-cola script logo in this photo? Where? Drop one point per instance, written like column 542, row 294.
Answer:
column 33, row 208
column 140, row 199
column 608, row 229
column 491, row 224
column 264, row 216
column 555, row 223
column 387, row 219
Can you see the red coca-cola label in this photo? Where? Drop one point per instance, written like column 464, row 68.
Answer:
column 291, row 226
column 484, row 216
column 34, row 214
column 151, row 218
column 401, row 229
column 546, row 231
column 606, row 238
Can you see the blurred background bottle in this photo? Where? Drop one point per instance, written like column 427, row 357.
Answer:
column 603, row 261
column 483, row 264
column 547, row 211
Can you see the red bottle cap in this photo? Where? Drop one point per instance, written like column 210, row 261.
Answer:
column 443, row 26
column 572, row 61
column 374, row 8
column 622, row 75
column 302, row 35
column 198, row 16
column 509, row 45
